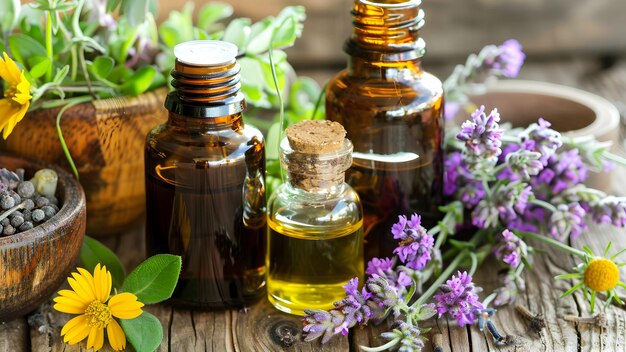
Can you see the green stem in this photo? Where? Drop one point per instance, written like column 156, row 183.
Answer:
column 510, row 139
column 544, row 205
column 441, row 279
column 486, row 188
column 555, row 243
column 49, row 52
column 74, row 62
column 381, row 347
column 66, row 151
column 613, row 157
column 279, row 95
column 319, row 100
column 83, row 65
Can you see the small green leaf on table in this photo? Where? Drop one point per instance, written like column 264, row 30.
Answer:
column 94, row 252
column 145, row 332
column 154, row 280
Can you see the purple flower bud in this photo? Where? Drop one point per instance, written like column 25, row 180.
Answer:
column 458, row 298
column 509, row 248
column 567, row 221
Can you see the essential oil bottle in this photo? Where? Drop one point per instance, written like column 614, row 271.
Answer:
column 393, row 114
column 205, row 188
column 315, row 232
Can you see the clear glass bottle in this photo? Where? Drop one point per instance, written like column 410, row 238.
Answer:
column 315, row 241
column 393, row 114
column 205, row 191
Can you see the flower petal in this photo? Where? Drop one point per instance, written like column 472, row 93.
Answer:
column 13, row 120
column 125, row 306
column 69, row 306
column 102, row 283
column 82, row 283
column 116, row 336
column 78, row 331
column 73, row 323
column 96, row 338
column 73, row 296
column 9, row 70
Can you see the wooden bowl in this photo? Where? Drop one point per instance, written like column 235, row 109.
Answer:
column 571, row 111
column 107, row 139
column 35, row 262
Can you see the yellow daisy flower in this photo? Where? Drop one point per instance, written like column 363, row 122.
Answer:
column 17, row 96
column 597, row 274
column 89, row 297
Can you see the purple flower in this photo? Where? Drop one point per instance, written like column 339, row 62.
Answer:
column 510, row 60
column 567, row 221
column 542, row 139
column 408, row 337
column 350, row 311
column 482, row 135
column 524, row 163
column 450, row 110
column 609, row 210
column 509, row 248
column 384, row 268
column 506, row 294
column 458, row 298
column 454, row 172
column 506, row 203
column 416, row 244
column 472, row 193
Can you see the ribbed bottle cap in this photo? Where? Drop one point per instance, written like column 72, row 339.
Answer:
column 205, row 52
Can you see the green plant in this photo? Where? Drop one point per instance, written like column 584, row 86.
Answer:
column 75, row 51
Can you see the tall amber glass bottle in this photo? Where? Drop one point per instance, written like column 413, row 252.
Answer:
column 393, row 113
column 205, row 182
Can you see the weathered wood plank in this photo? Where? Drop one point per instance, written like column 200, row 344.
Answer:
column 14, row 336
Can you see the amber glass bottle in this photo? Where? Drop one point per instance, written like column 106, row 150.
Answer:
column 393, row 113
column 205, row 182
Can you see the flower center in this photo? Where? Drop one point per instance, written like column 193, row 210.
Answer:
column 601, row 275
column 10, row 92
column 99, row 314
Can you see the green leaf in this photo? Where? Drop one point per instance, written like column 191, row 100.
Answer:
column 154, row 280
column 304, row 94
column 260, row 36
column 94, row 252
column 39, row 66
column 273, row 139
column 213, row 12
column 145, row 332
column 285, row 34
column 135, row 11
column 140, row 81
column 102, row 66
column 238, row 32
column 61, row 74
column 9, row 14
column 112, row 5
column 178, row 27
column 23, row 46
column 567, row 276
column 255, row 96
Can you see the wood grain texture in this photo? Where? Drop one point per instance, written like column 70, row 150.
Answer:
column 106, row 139
column 33, row 263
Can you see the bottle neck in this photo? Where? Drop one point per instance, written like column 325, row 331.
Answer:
column 206, row 91
column 321, row 193
column 386, row 30
column 360, row 67
column 202, row 124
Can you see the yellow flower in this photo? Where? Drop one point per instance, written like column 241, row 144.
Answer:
column 88, row 297
column 597, row 274
column 17, row 96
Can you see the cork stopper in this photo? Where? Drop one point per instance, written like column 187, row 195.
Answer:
column 316, row 155
column 316, row 136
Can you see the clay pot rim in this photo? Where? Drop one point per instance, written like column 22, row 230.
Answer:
column 73, row 203
column 606, row 114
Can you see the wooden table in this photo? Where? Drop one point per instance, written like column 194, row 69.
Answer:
column 262, row 328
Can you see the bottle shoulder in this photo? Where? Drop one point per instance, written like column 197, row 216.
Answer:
column 396, row 83
column 297, row 209
column 220, row 145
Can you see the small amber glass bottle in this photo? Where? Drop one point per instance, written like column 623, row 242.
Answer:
column 205, row 182
column 315, row 241
column 393, row 114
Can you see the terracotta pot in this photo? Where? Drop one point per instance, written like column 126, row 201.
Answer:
column 33, row 263
column 106, row 139
column 571, row 111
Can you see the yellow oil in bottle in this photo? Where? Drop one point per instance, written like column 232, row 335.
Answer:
column 295, row 282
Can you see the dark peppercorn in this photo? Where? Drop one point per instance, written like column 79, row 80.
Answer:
column 38, row 215
column 7, row 202
column 27, row 225
column 26, row 189
column 17, row 220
